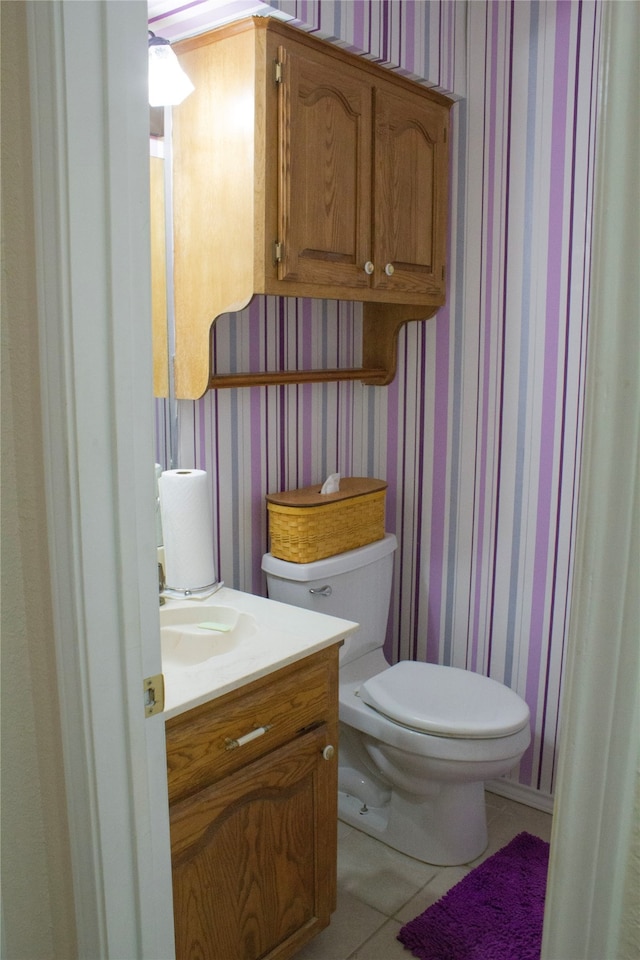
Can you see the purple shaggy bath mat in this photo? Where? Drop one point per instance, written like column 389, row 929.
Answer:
column 494, row 913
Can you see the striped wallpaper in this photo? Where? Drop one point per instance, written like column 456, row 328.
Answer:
column 479, row 434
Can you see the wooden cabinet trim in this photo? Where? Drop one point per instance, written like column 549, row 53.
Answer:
column 294, row 34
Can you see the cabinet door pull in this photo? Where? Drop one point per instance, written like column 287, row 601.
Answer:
column 389, row 269
column 230, row 744
column 369, row 267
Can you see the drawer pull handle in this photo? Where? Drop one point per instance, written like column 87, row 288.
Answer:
column 328, row 752
column 230, row 744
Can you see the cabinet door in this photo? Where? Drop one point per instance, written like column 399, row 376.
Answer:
column 410, row 194
column 325, row 170
column 254, row 857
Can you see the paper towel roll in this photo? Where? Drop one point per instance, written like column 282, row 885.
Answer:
column 158, row 517
column 185, row 507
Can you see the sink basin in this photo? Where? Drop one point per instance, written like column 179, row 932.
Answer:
column 258, row 636
column 192, row 636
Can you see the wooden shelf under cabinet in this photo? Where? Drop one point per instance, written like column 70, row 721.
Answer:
column 302, row 170
column 254, row 828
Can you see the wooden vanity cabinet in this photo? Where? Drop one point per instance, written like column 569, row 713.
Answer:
column 253, row 815
column 302, row 170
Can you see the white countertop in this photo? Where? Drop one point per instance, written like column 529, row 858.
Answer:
column 285, row 634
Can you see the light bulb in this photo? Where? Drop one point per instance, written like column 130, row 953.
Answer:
column 168, row 83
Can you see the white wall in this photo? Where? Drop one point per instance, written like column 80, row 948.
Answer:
column 37, row 904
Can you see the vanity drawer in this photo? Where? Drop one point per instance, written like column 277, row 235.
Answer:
column 221, row 736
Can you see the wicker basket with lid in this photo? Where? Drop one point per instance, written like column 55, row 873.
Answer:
column 306, row 525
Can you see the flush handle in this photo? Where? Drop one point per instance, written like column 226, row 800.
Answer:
column 325, row 591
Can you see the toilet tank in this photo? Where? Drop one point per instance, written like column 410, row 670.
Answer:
column 355, row 586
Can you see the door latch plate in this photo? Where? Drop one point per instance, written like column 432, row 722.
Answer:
column 153, row 695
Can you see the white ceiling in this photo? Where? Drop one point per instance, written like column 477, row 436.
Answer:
column 174, row 20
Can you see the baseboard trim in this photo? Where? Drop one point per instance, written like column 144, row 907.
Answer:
column 521, row 794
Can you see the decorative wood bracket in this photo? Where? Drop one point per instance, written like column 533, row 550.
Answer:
column 381, row 324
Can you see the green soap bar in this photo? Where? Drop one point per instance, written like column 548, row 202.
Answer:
column 212, row 625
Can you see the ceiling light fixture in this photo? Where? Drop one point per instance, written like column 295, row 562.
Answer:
column 168, row 83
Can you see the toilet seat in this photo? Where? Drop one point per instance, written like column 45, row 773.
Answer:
column 445, row 701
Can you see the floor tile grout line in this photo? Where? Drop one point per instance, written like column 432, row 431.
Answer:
column 504, row 824
column 354, row 953
column 394, row 916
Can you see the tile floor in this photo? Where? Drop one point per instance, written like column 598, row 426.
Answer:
column 379, row 889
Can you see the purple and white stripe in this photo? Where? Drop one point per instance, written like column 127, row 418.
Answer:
column 479, row 434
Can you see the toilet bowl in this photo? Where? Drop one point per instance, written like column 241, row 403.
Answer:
column 417, row 740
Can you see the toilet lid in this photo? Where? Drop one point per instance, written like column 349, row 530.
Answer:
column 445, row 701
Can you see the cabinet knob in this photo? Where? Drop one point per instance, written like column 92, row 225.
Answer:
column 389, row 269
column 328, row 752
column 369, row 267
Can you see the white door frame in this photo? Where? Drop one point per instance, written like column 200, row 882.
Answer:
column 90, row 144
column 592, row 893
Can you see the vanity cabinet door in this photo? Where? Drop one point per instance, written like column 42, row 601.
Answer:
column 254, row 856
column 410, row 194
column 324, row 133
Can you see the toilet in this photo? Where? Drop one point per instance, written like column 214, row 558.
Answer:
column 417, row 740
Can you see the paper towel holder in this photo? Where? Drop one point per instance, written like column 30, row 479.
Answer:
column 199, row 593
column 161, row 584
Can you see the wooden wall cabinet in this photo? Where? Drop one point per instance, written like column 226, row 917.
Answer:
column 303, row 170
column 254, row 827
